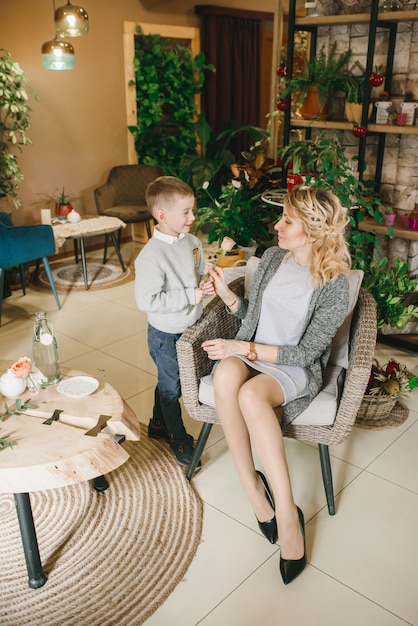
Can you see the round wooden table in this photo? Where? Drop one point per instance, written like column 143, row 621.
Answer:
column 59, row 441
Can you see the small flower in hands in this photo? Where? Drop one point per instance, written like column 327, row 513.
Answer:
column 226, row 246
column 22, row 368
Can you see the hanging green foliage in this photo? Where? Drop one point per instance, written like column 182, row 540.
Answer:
column 168, row 80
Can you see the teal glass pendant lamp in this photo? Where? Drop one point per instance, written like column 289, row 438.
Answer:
column 58, row 55
column 71, row 21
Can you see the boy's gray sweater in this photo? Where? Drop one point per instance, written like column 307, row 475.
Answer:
column 166, row 275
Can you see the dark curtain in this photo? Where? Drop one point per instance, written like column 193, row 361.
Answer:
column 231, row 41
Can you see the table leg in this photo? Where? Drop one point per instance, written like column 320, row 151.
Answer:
column 76, row 251
column 105, row 248
column 36, row 575
column 115, row 243
column 84, row 263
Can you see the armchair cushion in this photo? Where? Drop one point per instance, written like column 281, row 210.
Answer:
column 123, row 195
column 321, row 411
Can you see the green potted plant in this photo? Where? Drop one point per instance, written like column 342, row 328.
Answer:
column 354, row 87
column 320, row 80
column 63, row 205
column 236, row 212
column 395, row 292
column 14, row 124
column 213, row 159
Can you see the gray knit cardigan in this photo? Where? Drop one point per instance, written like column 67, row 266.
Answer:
column 326, row 312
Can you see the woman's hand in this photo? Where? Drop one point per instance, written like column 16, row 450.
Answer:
column 207, row 287
column 221, row 286
column 220, row 348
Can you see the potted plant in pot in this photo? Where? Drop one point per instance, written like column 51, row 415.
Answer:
column 354, row 87
column 321, row 79
column 14, row 124
column 63, row 205
column 238, row 212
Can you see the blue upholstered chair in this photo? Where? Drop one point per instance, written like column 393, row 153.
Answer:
column 22, row 244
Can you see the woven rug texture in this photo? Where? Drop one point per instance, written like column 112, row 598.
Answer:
column 111, row 558
column 68, row 275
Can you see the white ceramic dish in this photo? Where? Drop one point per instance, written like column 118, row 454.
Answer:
column 78, row 386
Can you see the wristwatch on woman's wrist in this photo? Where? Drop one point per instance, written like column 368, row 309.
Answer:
column 252, row 353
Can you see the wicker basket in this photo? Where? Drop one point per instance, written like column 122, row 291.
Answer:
column 375, row 410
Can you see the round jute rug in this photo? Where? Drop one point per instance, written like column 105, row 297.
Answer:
column 69, row 275
column 111, row 558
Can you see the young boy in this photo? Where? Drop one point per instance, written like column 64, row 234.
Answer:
column 167, row 275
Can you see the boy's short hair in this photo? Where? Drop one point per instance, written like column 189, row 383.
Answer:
column 161, row 191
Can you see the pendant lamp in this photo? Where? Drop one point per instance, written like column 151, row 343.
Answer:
column 71, row 21
column 58, row 55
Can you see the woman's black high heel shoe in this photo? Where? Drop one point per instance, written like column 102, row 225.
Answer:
column 290, row 568
column 269, row 528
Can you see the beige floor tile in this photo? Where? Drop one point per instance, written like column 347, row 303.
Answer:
column 128, row 381
column 364, row 445
column 227, row 554
column 96, row 328
column 314, row 599
column 133, row 350
column 142, row 403
column 218, row 484
column 370, row 545
column 399, row 463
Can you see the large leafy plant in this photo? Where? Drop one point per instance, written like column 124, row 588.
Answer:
column 214, row 157
column 324, row 71
column 168, row 80
column 236, row 208
column 14, row 123
column 395, row 292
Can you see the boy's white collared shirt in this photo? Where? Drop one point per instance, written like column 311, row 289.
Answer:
column 167, row 238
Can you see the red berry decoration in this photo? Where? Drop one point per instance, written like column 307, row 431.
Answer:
column 392, row 367
column 281, row 71
column 359, row 131
column 376, row 80
column 283, row 105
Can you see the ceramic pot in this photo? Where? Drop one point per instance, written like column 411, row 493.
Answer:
column 228, row 260
column 405, row 220
column 62, row 210
column 355, row 110
column 11, row 386
column 413, row 222
column 293, row 180
column 389, row 220
column 311, row 108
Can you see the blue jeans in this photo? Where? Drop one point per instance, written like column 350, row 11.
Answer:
column 167, row 410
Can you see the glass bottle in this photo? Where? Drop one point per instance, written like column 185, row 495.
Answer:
column 44, row 349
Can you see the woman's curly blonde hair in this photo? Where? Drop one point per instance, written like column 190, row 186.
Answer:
column 324, row 220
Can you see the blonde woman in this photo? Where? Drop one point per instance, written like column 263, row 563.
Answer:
column 298, row 300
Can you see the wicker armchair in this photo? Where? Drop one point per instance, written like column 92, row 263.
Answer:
column 216, row 322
